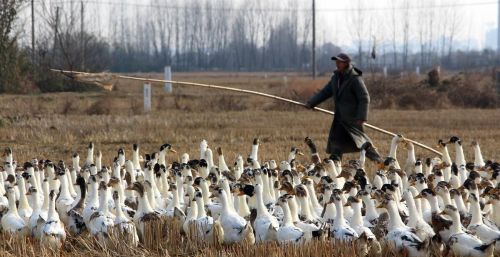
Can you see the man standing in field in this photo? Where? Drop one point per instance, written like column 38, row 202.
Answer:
column 351, row 111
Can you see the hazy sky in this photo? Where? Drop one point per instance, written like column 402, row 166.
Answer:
column 477, row 16
column 334, row 17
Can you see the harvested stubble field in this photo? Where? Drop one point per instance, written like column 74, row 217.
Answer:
column 54, row 126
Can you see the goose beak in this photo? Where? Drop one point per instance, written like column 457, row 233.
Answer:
column 300, row 153
column 212, row 196
column 380, row 206
column 173, row 151
column 381, row 166
column 402, row 200
column 442, row 213
column 347, row 204
column 419, row 196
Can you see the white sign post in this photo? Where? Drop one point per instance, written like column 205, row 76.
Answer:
column 168, row 76
column 417, row 71
column 385, row 71
column 285, row 81
column 147, row 97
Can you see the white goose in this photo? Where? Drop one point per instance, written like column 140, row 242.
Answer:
column 236, row 229
column 287, row 232
column 422, row 229
column 264, row 220
column 478, row 156
column 12, row 223
column 126, row 229
column 76, row 223
column 393, row 150
column 101, row 222
column 65, row 200
column 463, row 243
column 189, row 225
column 24, row 209
column 204, row 223
column 254, row 155
column 93, row 200
column 399, row 236
column 144, row 214
column 477, row 226
column 340, row 229
column 440, row 224
column 39, row 216
column 357, row 222
column 460, row 158
column 53, row 233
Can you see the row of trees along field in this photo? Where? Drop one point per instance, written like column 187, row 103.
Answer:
column 231, row 35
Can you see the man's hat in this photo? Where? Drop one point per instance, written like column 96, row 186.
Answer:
column 342, row 57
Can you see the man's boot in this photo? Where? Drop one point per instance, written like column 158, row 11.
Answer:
column 371, row 153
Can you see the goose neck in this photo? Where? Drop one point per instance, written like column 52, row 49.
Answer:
column 103, row 201
column 476, row 213
column 339, row 218
column 287, row 215
column 357, row 219
column 201, row 208
column 394, row 218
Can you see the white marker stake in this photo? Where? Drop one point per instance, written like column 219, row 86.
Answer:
column 147, row 97
column 168, row 76
column 417, row 70
column 385, row 72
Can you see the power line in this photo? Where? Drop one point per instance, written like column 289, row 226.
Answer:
column 367, row 9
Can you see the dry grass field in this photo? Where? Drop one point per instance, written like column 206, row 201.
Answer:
column 54, row 126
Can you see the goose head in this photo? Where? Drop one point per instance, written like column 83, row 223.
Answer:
column 248, row 190
column 167, row 148
column 294, row 152
column 283, row 200
column 217, row 192
column 301, row 191
column 287, row 187
column 441, row 144
column 139, row 188
column 113, row 182
column 351, row 201
column 32, row 191
column 442, row 188
column 455, row 140
column 426, row 194
column 116, row 197
column 336, row 196
column 385, row 200
column 449, row 210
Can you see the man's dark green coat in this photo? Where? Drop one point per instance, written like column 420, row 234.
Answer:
column 351, row 100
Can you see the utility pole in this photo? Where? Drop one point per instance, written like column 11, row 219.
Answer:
column 55, row 33
column 314, row 38
column 498, row 30
column 33, row 32
column 82, row 43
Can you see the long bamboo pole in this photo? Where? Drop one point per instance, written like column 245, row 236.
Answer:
column 380, row 130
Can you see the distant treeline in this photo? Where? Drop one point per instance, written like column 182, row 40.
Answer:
column 212, row 35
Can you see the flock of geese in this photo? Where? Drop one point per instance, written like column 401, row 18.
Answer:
column 419, row 208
